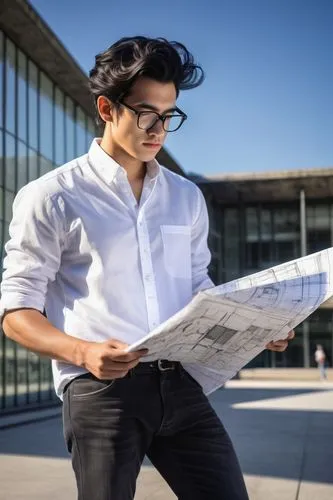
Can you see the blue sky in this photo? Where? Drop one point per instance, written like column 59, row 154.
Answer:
column 267, row 101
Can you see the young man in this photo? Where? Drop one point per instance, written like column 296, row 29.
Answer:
column 112, row 244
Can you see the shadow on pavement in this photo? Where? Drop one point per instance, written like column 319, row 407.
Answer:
column 289, row 444
column 278, row 442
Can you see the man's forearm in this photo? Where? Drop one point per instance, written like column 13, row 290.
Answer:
column 33, row 331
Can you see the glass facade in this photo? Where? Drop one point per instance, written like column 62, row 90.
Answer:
column 257, row 236
column 215, row 238
column 41, row 128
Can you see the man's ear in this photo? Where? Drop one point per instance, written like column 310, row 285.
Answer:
column 105, row 108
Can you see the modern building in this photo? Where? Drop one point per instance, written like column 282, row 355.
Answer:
column 46, row 119
column 263, row 219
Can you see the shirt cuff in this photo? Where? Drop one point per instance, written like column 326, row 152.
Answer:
column 13, row 301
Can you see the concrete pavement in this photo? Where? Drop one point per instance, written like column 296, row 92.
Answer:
column 287, row 374
column 282, row 432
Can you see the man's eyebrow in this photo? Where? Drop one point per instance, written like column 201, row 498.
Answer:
column 154, row 108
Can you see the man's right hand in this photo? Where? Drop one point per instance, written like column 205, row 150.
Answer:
column 108, row 360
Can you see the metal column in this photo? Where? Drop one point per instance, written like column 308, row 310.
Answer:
column 303, row 223
column 306, row 344
column 305, row 325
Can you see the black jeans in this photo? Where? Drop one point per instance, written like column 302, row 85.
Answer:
column 109, row 427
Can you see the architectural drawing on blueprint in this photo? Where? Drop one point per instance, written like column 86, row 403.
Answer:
column 223, row 328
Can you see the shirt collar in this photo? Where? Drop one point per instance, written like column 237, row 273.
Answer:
column 109, row 169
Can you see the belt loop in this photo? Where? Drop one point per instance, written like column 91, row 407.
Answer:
column 170, row 365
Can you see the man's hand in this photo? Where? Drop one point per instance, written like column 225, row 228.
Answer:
column 280, row 345
column 108, row 360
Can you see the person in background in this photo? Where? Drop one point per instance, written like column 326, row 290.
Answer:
column 320, row 358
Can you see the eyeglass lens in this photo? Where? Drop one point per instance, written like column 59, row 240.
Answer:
column 148, row 119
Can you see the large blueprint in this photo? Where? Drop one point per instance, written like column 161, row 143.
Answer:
column 223, row 328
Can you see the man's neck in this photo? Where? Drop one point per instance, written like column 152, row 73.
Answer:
column 136, row 169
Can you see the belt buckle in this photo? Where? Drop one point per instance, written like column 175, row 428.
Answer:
column 164, row 369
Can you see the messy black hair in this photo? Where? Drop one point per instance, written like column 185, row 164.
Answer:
column 117, row 68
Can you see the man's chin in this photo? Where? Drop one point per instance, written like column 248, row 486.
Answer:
column 149, row 156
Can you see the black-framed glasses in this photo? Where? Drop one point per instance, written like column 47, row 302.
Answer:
column 147, row 119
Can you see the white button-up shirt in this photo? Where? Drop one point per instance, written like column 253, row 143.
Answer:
column 102, row 265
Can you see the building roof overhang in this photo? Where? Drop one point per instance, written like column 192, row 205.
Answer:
column 259, row 187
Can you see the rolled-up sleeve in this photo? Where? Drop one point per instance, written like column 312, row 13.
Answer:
column 33, row 252
column 201, row 255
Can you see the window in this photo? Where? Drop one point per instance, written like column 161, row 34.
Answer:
column 46, row 378
column 285, row 250
column 318, row 228
column 22, row 96
column 46, row 116
column 252, row 239
column 9, row 199
column 45, row 165
column 80, row 132
column 32, row 165
column 266, row 224
column 33, row 105
column 252, row 225
column 59, row 127
column 10, row 87
column 22, row 165
column 272, row 236
column 70, row 129
column 1, row 160
column 33, row 375
column 10, row 163
column 286, row 223
column 1, row 204
column 91, row 132
column 10, row 370
column 1, row 71
column 318, row 217
column 231, row 243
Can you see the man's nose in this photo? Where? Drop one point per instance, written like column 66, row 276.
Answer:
column 157, row 128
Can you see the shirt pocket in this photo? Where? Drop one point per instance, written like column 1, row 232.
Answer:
column 177, row 250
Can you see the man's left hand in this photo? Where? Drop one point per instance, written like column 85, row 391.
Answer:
column 280, row 345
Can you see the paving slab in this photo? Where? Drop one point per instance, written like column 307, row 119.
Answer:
column 282, row 432
column 315, row 491
column 271, row 488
